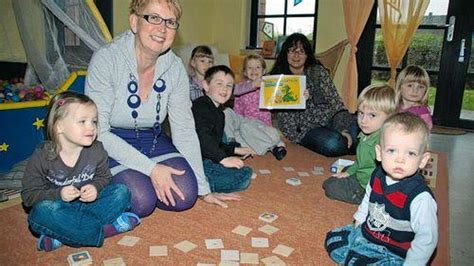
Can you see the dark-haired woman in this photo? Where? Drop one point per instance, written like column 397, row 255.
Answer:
column 325, row 126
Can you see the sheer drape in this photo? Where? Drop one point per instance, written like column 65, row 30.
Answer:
column 356, row 13
column 399, row 20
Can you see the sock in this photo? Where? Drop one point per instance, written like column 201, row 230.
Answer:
column 47, row 243
column 279, row 152
column 125, row 222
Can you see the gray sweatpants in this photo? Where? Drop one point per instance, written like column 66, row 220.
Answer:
column 251, row 133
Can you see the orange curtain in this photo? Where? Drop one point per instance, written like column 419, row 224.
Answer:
column 356, row 13
column 399, row 20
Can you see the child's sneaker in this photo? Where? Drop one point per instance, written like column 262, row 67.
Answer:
column 47, row 243
column 126, row 222
column 279, row 152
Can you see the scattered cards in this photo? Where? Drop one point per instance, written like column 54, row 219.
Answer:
column 129, row 241
column 318, row 170
column 303, row 174
column 268, row 217
column 283, row 250
column 158, row 251
column 249, row 258
column 260, row 242
column 185, row 246
column 241, row 230
column 114, row 262
column 288, row 169
column 229, row 263
column 230, row 255
column 268, row 229
column 273, row 260
column 264, row 171
column 293, row 181
column 214, row 243
column 79, row 258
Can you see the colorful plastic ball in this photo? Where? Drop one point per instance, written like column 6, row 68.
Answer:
column 22, row 93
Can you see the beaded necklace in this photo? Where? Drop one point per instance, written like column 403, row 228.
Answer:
column 134, row 101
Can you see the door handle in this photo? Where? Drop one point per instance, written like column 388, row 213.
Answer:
column 452, row 21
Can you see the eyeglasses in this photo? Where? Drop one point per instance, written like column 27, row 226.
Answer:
column 155, row 19
column 296, row 51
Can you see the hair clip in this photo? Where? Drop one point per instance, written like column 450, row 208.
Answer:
column 61, row 102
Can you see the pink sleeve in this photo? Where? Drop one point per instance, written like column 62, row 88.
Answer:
column 428, row 120
column 243, row 87
column 425, row 114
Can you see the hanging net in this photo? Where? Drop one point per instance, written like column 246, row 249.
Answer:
column 59, row 36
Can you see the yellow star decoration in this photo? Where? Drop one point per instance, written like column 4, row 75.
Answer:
column 39, row 123
column 4, row 147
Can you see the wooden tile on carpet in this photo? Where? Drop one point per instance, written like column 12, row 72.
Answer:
column 305, row 215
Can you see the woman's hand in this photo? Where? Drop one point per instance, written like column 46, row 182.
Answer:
column 164, row 184
column 219, row 198
column 341, row 175
column 232, row 162
column 69, row 193
column 348, row 137
column 306, row 94
column 88, row 193
column 244, row 151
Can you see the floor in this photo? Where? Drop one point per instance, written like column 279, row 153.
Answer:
column 460, row 150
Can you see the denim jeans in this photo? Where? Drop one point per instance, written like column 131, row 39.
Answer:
column 77, row 223
column 347, row 246
column 226, row 180
column 330, row 142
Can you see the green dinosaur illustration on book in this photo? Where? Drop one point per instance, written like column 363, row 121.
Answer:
column 287, row 94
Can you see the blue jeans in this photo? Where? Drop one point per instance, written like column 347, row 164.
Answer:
column 330, row 142
column 346, row 245
column 226, row 180
column 77, row 223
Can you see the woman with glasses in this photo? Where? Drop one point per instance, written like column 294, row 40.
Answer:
column 136, row 81
column 325, row 126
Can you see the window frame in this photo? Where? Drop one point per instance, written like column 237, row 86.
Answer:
column 254, row 17
column 365, row 50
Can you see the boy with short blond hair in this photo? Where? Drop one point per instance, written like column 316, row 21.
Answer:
column 396, row 222
column 374, row 105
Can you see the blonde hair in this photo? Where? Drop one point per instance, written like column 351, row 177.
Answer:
column 408, row 123
column 380, row 97
column 253, row 57
column 199, row 51
column 413, row 73
column 57, row 110
column 137, row 6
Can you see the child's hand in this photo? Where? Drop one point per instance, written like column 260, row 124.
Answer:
column 256, row 83
column 88, row 193
column 244, row 151
column 341, row 175
column 69, row 193
column 306, row 94
column 232, row 162
column 348, row 137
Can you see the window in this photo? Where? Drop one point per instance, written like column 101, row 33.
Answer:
column 271, row 19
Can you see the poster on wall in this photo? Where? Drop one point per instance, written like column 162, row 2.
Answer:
column 282, row 92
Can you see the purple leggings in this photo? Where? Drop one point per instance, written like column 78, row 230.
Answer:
column 143, row 195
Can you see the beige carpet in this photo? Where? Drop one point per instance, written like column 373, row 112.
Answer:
column 305, row 215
